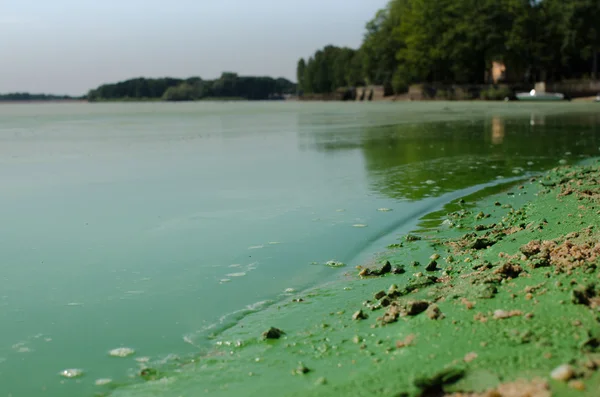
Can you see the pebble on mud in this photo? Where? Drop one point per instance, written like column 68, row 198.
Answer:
column 359, row 315
column 273, row 333
column 380, row 295
column 562, row 373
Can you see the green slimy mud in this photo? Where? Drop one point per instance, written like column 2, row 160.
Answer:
column 514, row 294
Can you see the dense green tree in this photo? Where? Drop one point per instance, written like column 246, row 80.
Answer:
column 229, row 85
column 330, row 68
column 381, row 43
column 456, row 41
column 300, row 70
column 182, row 92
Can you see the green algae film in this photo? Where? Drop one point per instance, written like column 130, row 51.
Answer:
column 494, row 325
column 149, row 226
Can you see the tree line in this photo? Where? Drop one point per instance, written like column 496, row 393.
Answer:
column 456, row 41
column 229, row 85
column 26, row 96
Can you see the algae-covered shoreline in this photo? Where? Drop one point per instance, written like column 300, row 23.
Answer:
column 499, row 298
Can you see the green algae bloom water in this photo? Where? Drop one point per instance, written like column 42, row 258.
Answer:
column 133, row 234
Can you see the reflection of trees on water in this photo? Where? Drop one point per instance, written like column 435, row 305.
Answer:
column 412, row 161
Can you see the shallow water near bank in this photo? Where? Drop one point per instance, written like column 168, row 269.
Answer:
column 154, row 226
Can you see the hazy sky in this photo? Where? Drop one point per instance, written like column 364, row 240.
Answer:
column 70, row 46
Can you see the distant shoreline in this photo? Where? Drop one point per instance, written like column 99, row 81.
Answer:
column 12, row 102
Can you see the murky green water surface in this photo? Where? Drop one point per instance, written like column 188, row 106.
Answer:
column 155, row 226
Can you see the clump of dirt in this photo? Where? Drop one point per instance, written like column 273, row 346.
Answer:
column 384, row 269
column 406, row 341
column 397, row 309
column 563, row 256
column 509, row 270
column 531, row 248
column 569, row 255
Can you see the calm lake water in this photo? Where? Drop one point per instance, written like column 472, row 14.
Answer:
column 154, row 226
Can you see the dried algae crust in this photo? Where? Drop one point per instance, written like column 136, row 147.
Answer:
column 501, row 299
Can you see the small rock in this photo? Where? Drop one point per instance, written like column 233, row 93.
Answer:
column 301, row 369
column 273, row 333
column 434, row 257
column 431, row 266
column 386, row 268
column 149, row 373
column 321, row 381
column 385, row 302
column 481, row 243
column 359, row 315
column 562, row 373
column 411, row 237
column 102, row 382
column 577, row 385
column 434, row 312
column 380, row 295
column 415, row 307
column 399, row 270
